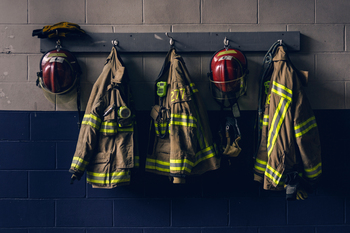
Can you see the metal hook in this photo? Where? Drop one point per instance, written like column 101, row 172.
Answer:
column 171, row 39
column 280, row 41
column 58, row 45
column 114, row 43
column 226, row 42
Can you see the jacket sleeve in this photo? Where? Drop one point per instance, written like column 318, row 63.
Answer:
column 88, row 135
column 307, row 138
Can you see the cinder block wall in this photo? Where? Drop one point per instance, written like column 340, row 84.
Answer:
column 38, row 137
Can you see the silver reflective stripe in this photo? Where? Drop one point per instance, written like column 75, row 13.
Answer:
column 276, row 123
column 305, row 127
column 92, row 120
column 282, row 91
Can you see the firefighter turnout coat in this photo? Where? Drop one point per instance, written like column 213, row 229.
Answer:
column 106, row 144
column 289, row 135
column 180, row 138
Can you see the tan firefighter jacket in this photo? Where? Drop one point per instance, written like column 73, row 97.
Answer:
column 289, row 139
column 106, row 145
column 181, row 142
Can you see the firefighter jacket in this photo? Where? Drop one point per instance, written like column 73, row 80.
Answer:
column 106, row 144
column 289, row 136
column 181, row 142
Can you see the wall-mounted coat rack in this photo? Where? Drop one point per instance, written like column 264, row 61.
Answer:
column 182, row 41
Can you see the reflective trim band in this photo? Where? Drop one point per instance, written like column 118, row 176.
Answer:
column 79, row 163
column 266, row 120
column 109, row 127
column 276, row 124
column 314, row 172
column 137, row 161
column 108, row 178
column 205, row 154
column 129, row 129
column 182, row 119
column 92, row 120
column 305, row 127
column 227, row 52
column 274, row 175
column 282, row 91
column 162, row 128
column 260, row 165
column 154, row 164
column 193, row 88
column 181, row 165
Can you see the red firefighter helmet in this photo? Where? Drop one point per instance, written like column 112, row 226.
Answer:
column 228, row 68
column 59, row 71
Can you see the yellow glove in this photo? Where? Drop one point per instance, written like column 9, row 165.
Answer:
column 301, row 194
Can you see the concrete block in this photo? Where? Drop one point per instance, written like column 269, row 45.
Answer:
column 65, row 152
column 172, row 230
column 229, row 11
column 330, row 212
column 336, row 12
column 27, row 213
column 14, row 125
column 27, row 156
column 114, row 12
column 23, row 96
column 288, row 229
column 201, row 28
column 51, row 12
column 97, row 28
column 33, row 66
column 133, row 190
column 242, row 211
column 54, row 126
column 326, row 94
column 142, row 212
column 84, row 213
column 152, row 66
column 347, row 95
column 14, row 12
column 347, row 37
column 14, row 184
column 305, row 62
column 338, row 229
column 258, row 27
column 13, row 230
column 230, row 229
column 193, row 65
column 18, row 39
column 113, row 230
column 142, row 28
column 56, row 230
column 290, row 11
column 320, row 37
column 333, row 67
column 171, row 12
column 54, row 184
column 198, row 212
column 13, row 68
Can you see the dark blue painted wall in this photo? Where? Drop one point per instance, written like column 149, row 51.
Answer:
column 36, row 149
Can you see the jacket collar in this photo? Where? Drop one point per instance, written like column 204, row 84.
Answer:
column 280, row 54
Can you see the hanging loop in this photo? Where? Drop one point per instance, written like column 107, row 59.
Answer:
column 171, row 42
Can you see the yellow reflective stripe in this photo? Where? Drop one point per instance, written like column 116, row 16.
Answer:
column 305, row 127
column 193, row 87
column 137, row 161
column 314, row 171
column 205, row 154
column 79, row 163
column 92, row 120
column 260, row 165
column 276, row 124
column 108, row 178
column 282, row 91
column 109, row 127
column 181, row 165
column 131, row 129
column 226, row 52
column 265, row 121
column 274, row 175
column 154, row 164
